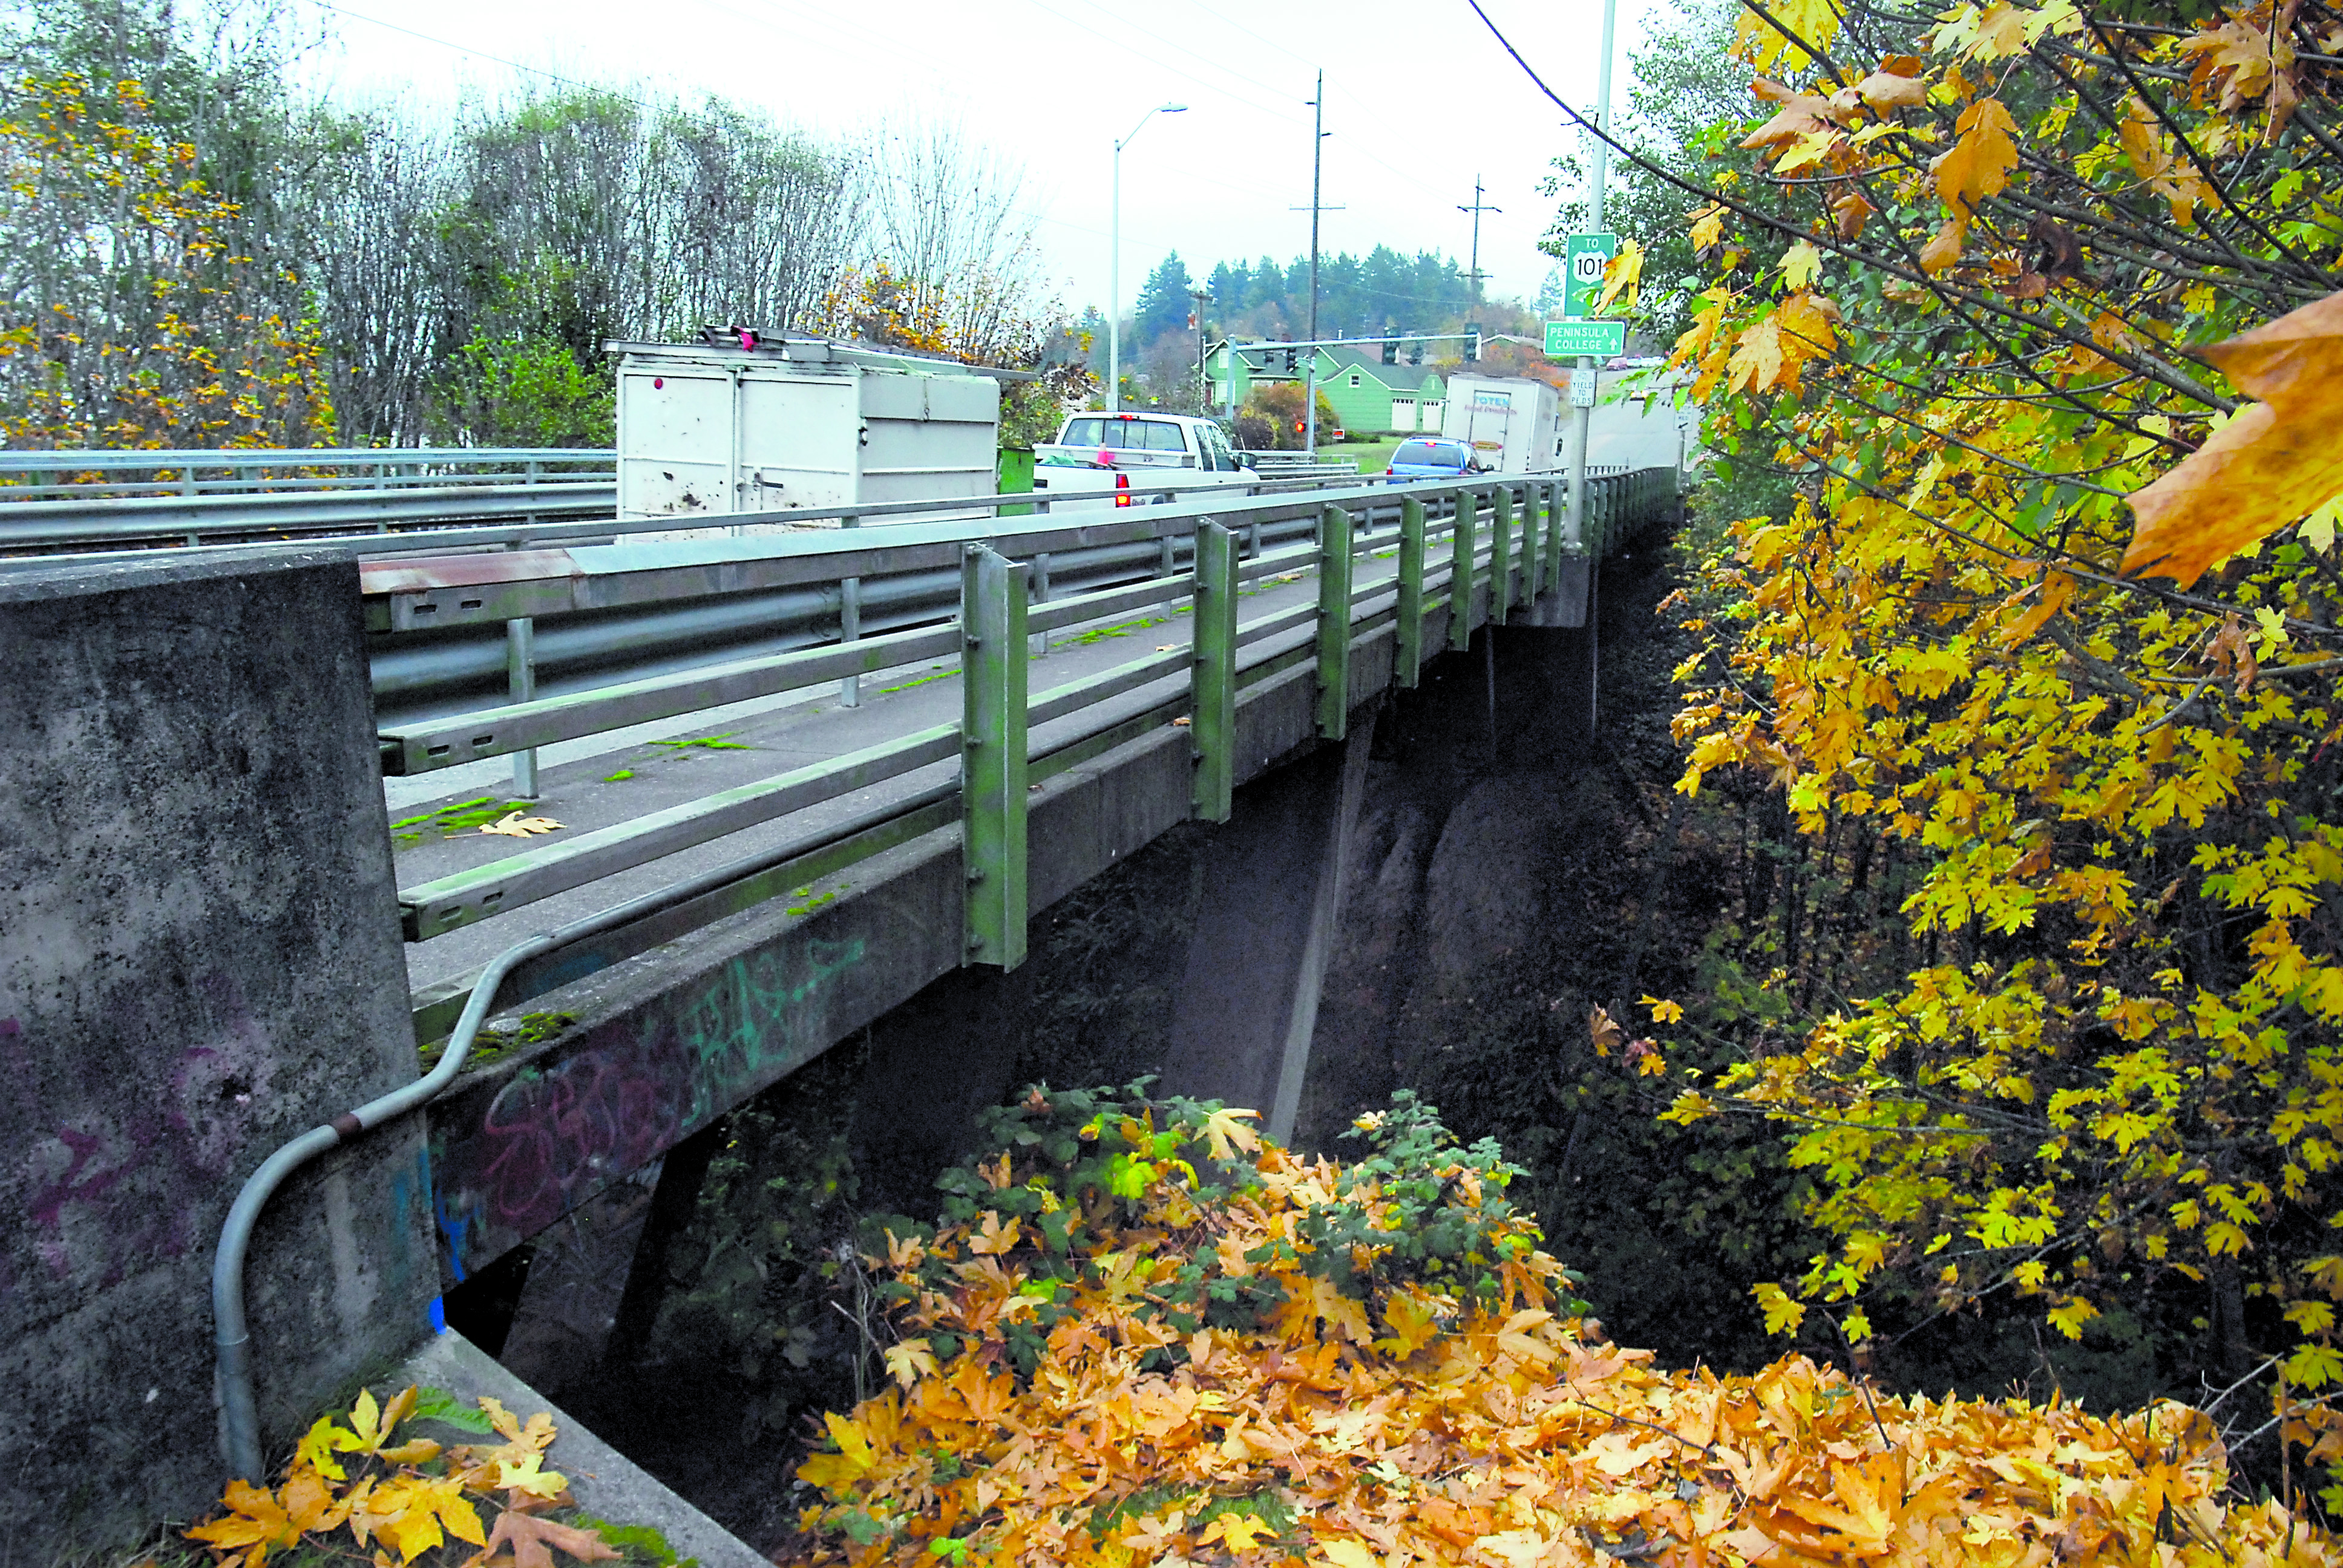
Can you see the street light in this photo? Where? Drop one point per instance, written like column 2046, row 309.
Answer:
column 1114, row 261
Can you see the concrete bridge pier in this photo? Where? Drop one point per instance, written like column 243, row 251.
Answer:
column 199, row 959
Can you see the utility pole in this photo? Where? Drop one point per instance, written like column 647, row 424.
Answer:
column 1476, row 209
column 1317, row 206
column 1202, row 296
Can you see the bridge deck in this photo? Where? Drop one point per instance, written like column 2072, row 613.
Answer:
column 840, row 835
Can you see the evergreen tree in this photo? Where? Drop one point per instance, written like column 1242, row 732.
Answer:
column 1163, row 302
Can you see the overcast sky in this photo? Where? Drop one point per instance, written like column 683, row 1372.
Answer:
column 1420, row 100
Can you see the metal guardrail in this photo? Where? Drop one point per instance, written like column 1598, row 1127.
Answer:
column 1465, row 554
column 411, row 520
column 200, row 471
column 47, row 527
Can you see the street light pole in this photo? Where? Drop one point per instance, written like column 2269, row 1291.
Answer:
column 1114, row 260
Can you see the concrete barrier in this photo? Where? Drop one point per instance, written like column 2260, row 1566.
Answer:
column 199, row 958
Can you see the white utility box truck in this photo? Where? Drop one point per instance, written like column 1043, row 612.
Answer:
column 745, row 422
column 1513, row 422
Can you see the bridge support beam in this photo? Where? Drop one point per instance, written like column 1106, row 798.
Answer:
column 992, row 759
column 1247, row 1006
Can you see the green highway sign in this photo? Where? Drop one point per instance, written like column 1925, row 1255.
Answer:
column 1582, row 261
column 1585, row 339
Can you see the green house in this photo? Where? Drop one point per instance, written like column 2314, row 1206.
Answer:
column 1368, row 397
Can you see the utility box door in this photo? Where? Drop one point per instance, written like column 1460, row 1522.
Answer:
column 927, row 438
column 798, row 439
column 675, row 440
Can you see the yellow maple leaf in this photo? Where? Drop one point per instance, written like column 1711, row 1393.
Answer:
column 514, row 825
column 371, row 1427
column 1624, row 274
column 1977, row 164
column 907, row 1361
column 1345, row 1553
column 2264, row 468
column 1237, row 1532
column 1802, row 264
column 1783, row 1315
column 1413, row 1322
column 1662, row 1011
column 1708, row 228
column 1225, row 1132
column 1763, row 44
column 530, row 1475
column 255, row 1520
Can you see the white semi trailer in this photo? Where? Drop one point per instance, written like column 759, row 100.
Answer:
column 1512, row 422
column 743, row 422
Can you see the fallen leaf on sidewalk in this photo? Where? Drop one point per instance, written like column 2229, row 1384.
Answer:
column 513, row 825
column 529, row 1538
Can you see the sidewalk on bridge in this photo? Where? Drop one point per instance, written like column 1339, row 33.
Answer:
column 709, row 753
column 609, row 1485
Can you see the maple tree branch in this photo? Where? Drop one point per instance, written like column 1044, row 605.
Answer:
column 2204, row 168
column 1828, row 240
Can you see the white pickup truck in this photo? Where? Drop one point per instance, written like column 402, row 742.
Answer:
column 1117, row 454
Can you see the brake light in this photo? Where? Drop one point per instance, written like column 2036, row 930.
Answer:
column 1122, row 485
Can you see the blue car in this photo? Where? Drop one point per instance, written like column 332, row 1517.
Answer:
column 1432, row 459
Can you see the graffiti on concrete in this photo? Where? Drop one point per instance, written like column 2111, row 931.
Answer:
column 127, row 1182
column 615, row 1098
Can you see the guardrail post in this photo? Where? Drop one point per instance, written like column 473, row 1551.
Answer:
column 1554, row 533
column 849, row 625
column 1212, row 676
column 1040, row 640
column 520, row 682
column 1460, row 582
column 1501, row 560
column 992, row 757
column 1533, row 558
column 1334, row 563
column 1410, row 661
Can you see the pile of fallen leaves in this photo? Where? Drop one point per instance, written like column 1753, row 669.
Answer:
column 352, row 1491
column 1358, row 1416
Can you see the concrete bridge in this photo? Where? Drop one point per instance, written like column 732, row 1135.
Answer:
column 210, row 940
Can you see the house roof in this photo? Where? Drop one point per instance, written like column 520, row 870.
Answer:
column 1400, row 378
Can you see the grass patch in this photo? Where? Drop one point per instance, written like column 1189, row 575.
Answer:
column 1100, row 633
column 494, row 1046
column 939, row 673
column 723, row 742
column 619, row 777
column 462, row 817
column 810, row 901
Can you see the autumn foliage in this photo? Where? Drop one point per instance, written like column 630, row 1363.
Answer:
column 130, row 318
column 2024, row 317
column 354, row 1491
column 1151, row 1337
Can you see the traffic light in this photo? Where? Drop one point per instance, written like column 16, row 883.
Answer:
column 1472, row 343
column 1415, row 353
column 1391, row 350
column 1290, row 362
